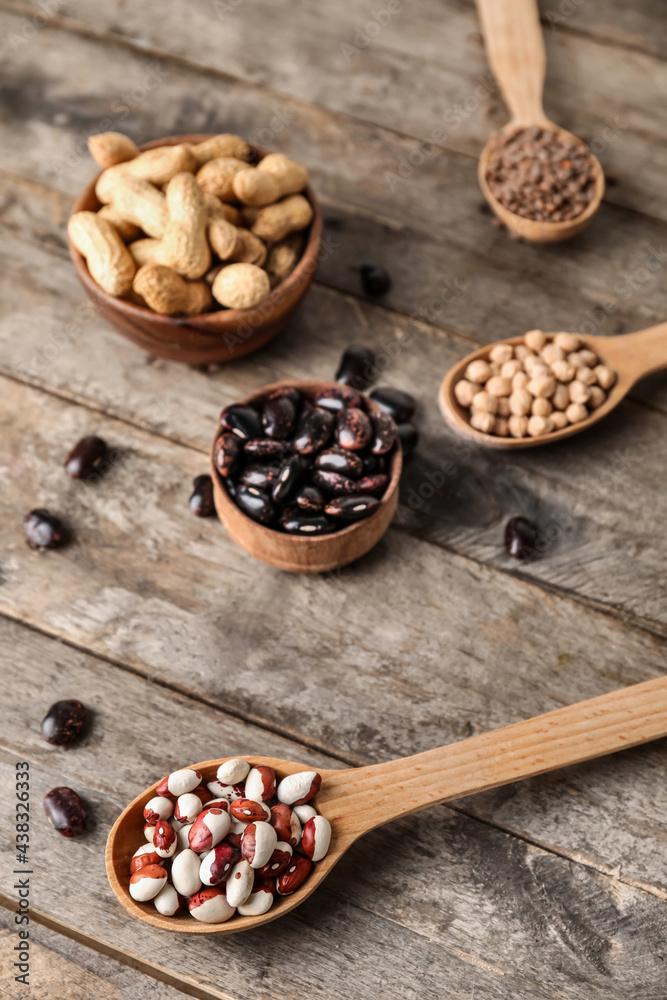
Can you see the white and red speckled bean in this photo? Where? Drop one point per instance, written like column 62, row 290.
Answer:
column 147, row 882
column 183, row 837
column 316, row 838
column 296, row 789
column 261, row 783
column 258, row 843
column 286, row 823
column 250, row 811
column 278, row 862
column 239, row 883
column 164, row 839
column 260, row 899
column 233, row 771
column 227, row 792
column 157, row 808
column 188, row 807
column 149, row 832
column 185, row 872
column 217, row 864
column 144, row 856
column 210, row 906
column 179, row 782
column 210, row 827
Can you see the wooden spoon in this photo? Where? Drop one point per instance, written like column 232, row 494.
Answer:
column 357, row 800
column 631, row 355
column 515, row 50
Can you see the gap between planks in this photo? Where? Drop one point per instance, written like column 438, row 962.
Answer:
column 69, row 25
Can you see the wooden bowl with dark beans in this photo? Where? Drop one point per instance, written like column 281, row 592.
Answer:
column 306, row 474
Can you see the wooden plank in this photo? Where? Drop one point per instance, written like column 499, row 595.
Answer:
column 466, row 909
column 345, row 662
column 599, row 535
column 421, row 71
column 60, row 967
column 449, row 265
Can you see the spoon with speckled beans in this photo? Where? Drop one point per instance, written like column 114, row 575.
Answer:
column 629, row 356
column 357, row 800
column 515, row 50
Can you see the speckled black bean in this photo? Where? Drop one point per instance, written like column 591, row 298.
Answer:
column 336, row 398
column 313, row 431
column 304, row 524
column 226, row 454
column 256, row 504
column 353, row 429
column 85, row 456
column 373, row 464
column 520, row 537
column 385, row 433
column 357, row 367
column 287, row 480
column 375, row 485
column 351, row 508
column 44, row 530
column 201, row 499
column 242, row 421
column 288, row 392
column 408, row 435
column 261, row 476
column 346, row 463
column 279, row 417
column 262, row 448
column 309, row 500
column 398, row 404
column 64, row 722
column 66, row 811
column 332, row 483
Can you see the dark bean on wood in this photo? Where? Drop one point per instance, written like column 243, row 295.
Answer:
column 385, row 433
column 201, row 499
column 287, row 480
column 347, row 463
column 226, row 454
column 85, row 456
column 264, row 448
column 332, row 483
column 64, row 722
column 357, row 367
column 279, row 417
column 66, row 811
column 375, row 279
column 305, row 524
column 337, row 398
column 44, row 530
column 313, row 431
column 398, row 404
column 520, row 537
column 375, row 484
column 261, row 476
column 256, row 504
column 309, row 500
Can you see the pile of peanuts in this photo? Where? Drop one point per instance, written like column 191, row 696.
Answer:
column 230, row 846
column 535, row 388
column 184, row 227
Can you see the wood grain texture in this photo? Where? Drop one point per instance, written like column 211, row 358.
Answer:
column 64, row 968
column 599, row 538
column 443, row 920
column 345, row 660
column 424, row 74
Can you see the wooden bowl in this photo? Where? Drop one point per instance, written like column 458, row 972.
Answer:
column 215, row 336
column 313, row 555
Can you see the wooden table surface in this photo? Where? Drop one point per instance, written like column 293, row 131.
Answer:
column 184, row 648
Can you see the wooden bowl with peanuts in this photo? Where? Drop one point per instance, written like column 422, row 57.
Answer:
column 194, row 253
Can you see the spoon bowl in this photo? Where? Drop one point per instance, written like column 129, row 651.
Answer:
column 515, row 49
column 357, row 800
column 631, row 355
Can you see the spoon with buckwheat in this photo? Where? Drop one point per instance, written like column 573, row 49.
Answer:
column 544, row 387
column 541, row 181
column 350, row 803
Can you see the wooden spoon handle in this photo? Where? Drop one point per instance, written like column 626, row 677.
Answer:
column 382, row 792
column 515, row 50
column 634, row 355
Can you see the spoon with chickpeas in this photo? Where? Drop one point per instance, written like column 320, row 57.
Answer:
column 544, row 387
